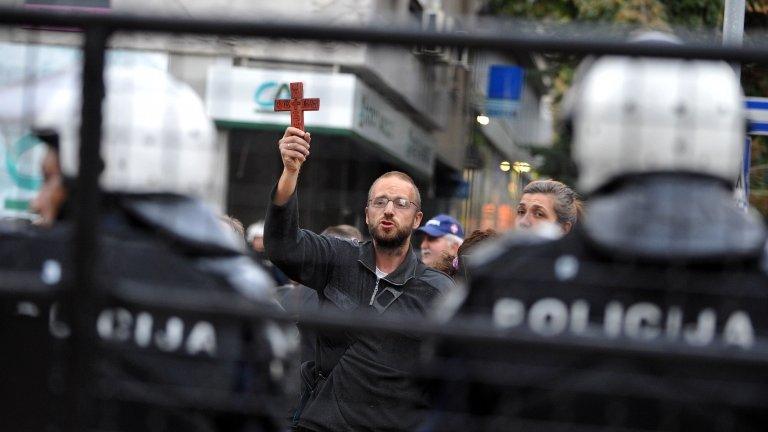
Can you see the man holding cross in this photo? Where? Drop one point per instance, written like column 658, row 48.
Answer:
column 358, row 381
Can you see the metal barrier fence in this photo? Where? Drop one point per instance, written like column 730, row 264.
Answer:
column 83, row 295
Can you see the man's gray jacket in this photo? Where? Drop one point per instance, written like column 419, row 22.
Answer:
column 363, row 380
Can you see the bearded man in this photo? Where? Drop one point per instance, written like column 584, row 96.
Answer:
column 358, row 381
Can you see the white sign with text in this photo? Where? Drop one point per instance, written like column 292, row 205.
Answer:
column 244, row 97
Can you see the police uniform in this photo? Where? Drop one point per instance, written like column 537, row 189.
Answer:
column 156, row 369
column 570, row 288
column 650, row 315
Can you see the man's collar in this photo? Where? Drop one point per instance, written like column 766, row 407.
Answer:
column 403, row 272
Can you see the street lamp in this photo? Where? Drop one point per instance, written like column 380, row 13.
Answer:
column 521, row 167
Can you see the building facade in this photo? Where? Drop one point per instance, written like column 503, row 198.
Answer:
column 383, row 107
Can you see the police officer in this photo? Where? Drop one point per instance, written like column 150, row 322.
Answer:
column 156, row 369
column 664, row 262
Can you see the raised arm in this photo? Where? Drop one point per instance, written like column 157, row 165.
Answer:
column 301, row 254
column 294, row 151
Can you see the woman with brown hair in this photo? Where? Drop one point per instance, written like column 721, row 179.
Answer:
column 450, row 264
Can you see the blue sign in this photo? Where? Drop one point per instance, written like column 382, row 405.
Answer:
column 757, row 116
column 757, row 124
column 505, row 89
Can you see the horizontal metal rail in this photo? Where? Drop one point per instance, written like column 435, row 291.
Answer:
column 226, row 307
column 494, row 39
column 461, row 329
column 98, row 28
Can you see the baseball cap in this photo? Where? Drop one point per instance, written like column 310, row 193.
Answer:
column 441, row 225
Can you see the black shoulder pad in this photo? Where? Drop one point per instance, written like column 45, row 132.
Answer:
column 677, row 218
column 242, row 274
column 183, row 220
column 493, row 249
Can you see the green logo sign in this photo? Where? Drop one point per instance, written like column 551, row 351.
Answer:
column 13, row 154
column 267, row 92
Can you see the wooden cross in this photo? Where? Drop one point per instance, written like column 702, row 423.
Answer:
column 297, row 105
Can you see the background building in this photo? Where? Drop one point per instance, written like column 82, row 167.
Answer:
column 409, row 108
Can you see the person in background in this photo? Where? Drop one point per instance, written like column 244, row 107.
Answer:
column 52, row 195
column 454, row 265
column 442, row 233
column 545, row 203
column 457, row 268
column 235, row 227
column 255, row 238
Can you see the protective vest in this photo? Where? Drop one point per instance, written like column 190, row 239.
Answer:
column 580, row 301
column 156, row 369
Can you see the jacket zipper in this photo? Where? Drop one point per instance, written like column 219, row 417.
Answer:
column 393, row 283
column 375, row 290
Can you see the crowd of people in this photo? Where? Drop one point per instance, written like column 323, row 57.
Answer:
column 659, row 254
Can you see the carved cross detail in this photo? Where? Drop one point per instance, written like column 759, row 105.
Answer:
column 297, row 105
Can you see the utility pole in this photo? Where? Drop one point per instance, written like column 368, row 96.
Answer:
column 733, row 26
column 733, row 35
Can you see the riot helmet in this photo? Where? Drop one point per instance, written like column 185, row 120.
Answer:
column 634, row 116
column 156, row 135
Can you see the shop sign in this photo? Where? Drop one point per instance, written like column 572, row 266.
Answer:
column 377, row 121
column 246, row 96
column 238, row 96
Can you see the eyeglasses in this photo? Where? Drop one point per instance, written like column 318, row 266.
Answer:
column 400, row 203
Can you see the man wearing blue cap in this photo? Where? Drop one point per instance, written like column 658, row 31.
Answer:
column 443, row 233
